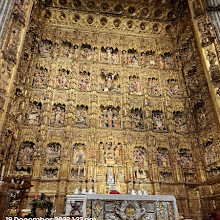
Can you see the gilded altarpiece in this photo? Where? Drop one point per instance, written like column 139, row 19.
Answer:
column 104, row 99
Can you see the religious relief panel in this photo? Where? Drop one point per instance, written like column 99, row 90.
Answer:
column 86, row 52
column 179, row 121
column 200, row 112
column 158, row 120
column 167, row 61
column 148, row 58
column 130, row 57
column 140, row 157
column 134, row 85
column 137, row 118
column 153, row 87
column 213, row 172
column 79, row 153
column 40, row 77
column 53, row 153
column 166, row 176
column 173, row 88
column 82, row 115
column 50, row 173
column 109, row 81
column 186, row 160
column 84, row 81
column 189, row 176
column 45, row 47
column 110, row 153
column 33, row 115
column 58, row 114
column 66, row 49
column 110, row 117
column 109, row 55
column 163, row 157
column 210, row 156
column 62, row 81
column 26, row 152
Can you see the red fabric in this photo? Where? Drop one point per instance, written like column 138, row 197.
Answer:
column 114, row 192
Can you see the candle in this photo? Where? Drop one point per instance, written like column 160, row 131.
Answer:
column 91, row 172
column 79, row 170
column 131, row 173
column 3, row 170
column 137, row 172
column 84, row 171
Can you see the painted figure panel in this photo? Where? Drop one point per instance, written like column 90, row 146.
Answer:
column 79, row 153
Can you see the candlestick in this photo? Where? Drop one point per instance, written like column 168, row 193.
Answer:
column 95, row 174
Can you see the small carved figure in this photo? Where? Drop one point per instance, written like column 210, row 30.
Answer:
column 75, row 52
